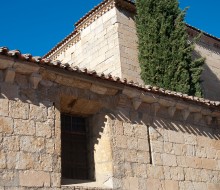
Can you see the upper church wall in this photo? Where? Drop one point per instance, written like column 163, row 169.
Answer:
column 107, row 42
column 97, row 46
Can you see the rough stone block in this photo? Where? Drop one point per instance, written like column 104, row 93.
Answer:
column 55, row 179
column 132, row 143
column 193, row 162
column 2, row 160
column 154, row 184
column 177, row 173
column 131, row 155
column 24, row 127
column 43, row 162
column 176, row 137
column 213, row 186
column 171, row 185
column 157, row 146
column 143, row 145
column 34, row 179
column 141, row 131
column 128, row 129
column 25, row 161
column 169, row 160
column 155, row 172
column 6, row 124
column 4, row 107
column 50, row 146
column 143, row 157
column 210, row 164
column 121, row 141
column 19, row 109
column 130, row 183
column 157, row 159
column 11, row 143
column 11, row 159
column 44, row 129
column 38, row 112
column 9, row 179
column 32, row 144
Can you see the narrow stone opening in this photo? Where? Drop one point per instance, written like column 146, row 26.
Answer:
column 76, row 158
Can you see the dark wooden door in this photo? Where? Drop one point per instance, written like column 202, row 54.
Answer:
column 74, row 147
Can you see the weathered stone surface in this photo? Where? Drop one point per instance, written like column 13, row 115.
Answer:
column 38, row 112
column 169, row 160
column 2, row 160
column 43, row 162
column 25, row 161
column 171, row 185
column 44, row 129
column 34, row 179
column 32, row 144
column 6, row 125
column 11, row 143
column 24, row 127
column 4, row 107
column 19, row 110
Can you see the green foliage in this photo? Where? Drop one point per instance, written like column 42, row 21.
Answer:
column 165, row 55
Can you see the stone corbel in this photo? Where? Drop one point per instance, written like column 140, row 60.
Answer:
column 171, row 111
column 148, row 98
column 136, row 103
column 10, row 75
column 185, row 114
column 155, row 107
column 35, row 78
column 131, row 93
column 208, row 119
column 98, row 89
column 197, row 117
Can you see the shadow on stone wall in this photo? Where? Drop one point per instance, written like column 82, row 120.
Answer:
column 210, row 84
column 210, row 81
column 194, row 125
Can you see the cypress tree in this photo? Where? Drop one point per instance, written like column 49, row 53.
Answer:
column 165, row 55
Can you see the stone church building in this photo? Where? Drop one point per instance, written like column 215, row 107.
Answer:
column 87, row 122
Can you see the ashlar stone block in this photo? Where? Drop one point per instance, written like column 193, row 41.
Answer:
column 169, row 160
column 34, row 179
column 11, row 143
column 44, row 129
column 4, row 107
column 32, row 144
column 18, row 109
column 6, row 124
column 2, row 160
column 24, row 127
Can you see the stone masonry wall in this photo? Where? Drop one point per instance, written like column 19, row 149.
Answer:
column 98, row 47
column 139, row 140
column 153, row 151
column 128, row 46
column 30, row 127
column 129, row 55
column 29, row 145
column 109, row 45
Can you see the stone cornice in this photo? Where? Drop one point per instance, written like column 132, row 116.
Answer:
column 155, row 97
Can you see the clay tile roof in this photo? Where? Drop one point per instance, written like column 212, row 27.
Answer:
column 147, row 88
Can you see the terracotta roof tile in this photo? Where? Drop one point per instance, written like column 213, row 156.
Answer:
column 153, row 89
